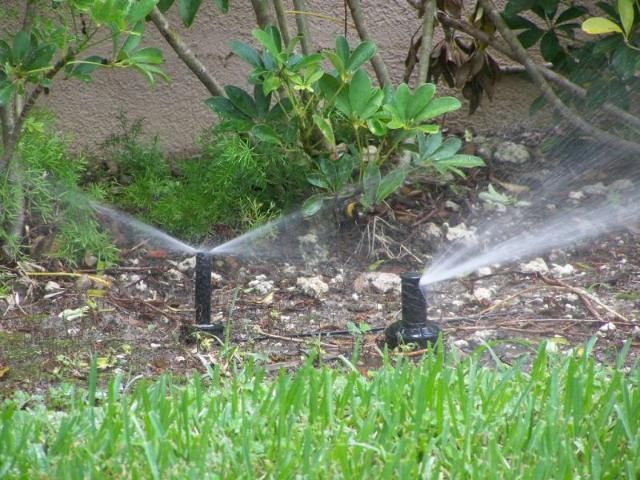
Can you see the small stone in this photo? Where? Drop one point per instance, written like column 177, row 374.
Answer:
column 83, row 283
column 607, row 327
column 141, row 286
column 312, row 286
column 187, row 264
column 461, row 344
column 90, row 260
column 562, row 270
column 337, row 280
column 635, row 333
column 484, row 272
column 380, row 282
column 430, row 231
column 52, row 286
column 452, row 206
column 216, row 278
column 511, row 152
column 370, row 153
column 482, row 294
column 174, row 275
column 595, row 189
column 577, row 195
column 460, row 233
column 261, row 285
column 537, row 265
column 621, row 184
column 484, row 335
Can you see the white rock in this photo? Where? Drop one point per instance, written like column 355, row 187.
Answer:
column 577, row 195
column 261, row 285
column 512, row 153
column 187, row 264
column 483, row 294
column 430, row 231
column 174, row 274
column 608, row 327
column 52, row 286
column 595, row 189
column 562, row 270
column 621, row 184
column 380, row 282
column 452, row 206
column 484, row 271
column 461, row 344
column 337, row 280
column 141, row 286
column 484, row 335
column 460, row 233
column 312, row 286
column 635, row 333
column 216, row 277
column 537, row 265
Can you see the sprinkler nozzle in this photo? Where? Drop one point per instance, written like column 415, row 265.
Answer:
column 413, row 327
column 203, row 298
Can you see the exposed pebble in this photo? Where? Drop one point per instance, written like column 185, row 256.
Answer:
column 261, row 285
column 83, row 283
column 483, row 271
column 562, row 270
column 607, row 327
column 577, row 195
column 461, row 233
column 511, row 152
column 52, row 286
column 312, row 286
column 595, row 189
column 537, row 265
column 452, row 206
column 482, row 294
column 430, row 231
column 380, row 282
column 187, row 264
column 174, row 275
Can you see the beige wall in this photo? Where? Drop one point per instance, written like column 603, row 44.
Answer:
column 176, row 112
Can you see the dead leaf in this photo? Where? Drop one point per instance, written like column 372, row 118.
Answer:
column 3, row 371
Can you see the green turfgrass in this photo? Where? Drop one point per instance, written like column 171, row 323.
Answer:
column 565, row 416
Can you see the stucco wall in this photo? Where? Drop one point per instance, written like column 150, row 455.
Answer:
column 176, row 112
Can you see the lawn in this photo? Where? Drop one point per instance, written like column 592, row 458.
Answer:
column 562, row 415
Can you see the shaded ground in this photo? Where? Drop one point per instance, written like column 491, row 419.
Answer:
column 132, row 317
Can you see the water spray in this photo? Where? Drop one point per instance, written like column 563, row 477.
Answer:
column 413, row 327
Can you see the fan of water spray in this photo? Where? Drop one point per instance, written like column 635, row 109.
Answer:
column 524, row 233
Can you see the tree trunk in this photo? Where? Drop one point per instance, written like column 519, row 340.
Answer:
column 428, row 21
column 303, row 27
column 263, row 13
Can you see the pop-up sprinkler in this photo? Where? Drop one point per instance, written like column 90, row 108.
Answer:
column 203, row 295
column 414, row 326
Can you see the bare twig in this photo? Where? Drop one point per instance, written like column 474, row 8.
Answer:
column 303, row 27
column 573, row 118
column 291, row 339
column 428, row 21
column 378, row 64
column 184, row 53
column 560, row 81
column 282, row 21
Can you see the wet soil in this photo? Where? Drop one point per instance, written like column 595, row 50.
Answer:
column 131, row 318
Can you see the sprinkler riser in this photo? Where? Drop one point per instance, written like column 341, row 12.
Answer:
column 413, row 327
column 203, row 289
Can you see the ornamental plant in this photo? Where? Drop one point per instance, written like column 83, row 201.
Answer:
column 336, row 120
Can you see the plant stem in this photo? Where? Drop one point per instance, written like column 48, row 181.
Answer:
column 303, row 27
column 378, row 64
column 263, row 13
column 282, row 21
column 185, row 54
column 573, row 118
column 428, row 21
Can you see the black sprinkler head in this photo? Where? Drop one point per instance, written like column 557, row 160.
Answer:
column 203, row 297
column 414, row 326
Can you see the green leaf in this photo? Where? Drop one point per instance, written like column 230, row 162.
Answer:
column 150, row 71
column 419, row 100
column 377, row 127
column 5, row 53
column 437, row 107
column 223, row 5
column 318, row 180
column 325, row 127
column 82, row 71
column 41, row 58
column 370, row 182
column 164, row 5
column 266, row 134
column 21, row 45
column 225, row 109
column 456, row 162
column 362, row 54
column 132, row 41
column 390, row 183
column 187, row 10
column 7, row 90
column 427, row 145
column 342, row 50
column 448, row 148
column 571, row 13
column 538, row 104
column 241, row 100
column 600, row 26
column 271, row 84
column 550, row 46
column 401, row 102
column 312, row 205
column 269, row 39
column 627, row 15
column 148, row 55
column 329, row 86
column 140, row 10
column 530, row 37
column 246, row 53
column 515, row 6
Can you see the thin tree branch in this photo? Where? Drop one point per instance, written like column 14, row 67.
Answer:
column 428, row 21
column 538, row 79
column 303, row 27
column 185, row 53
column 263, row 13
column 282, row 21
column 622, row 115
column 378, row 64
